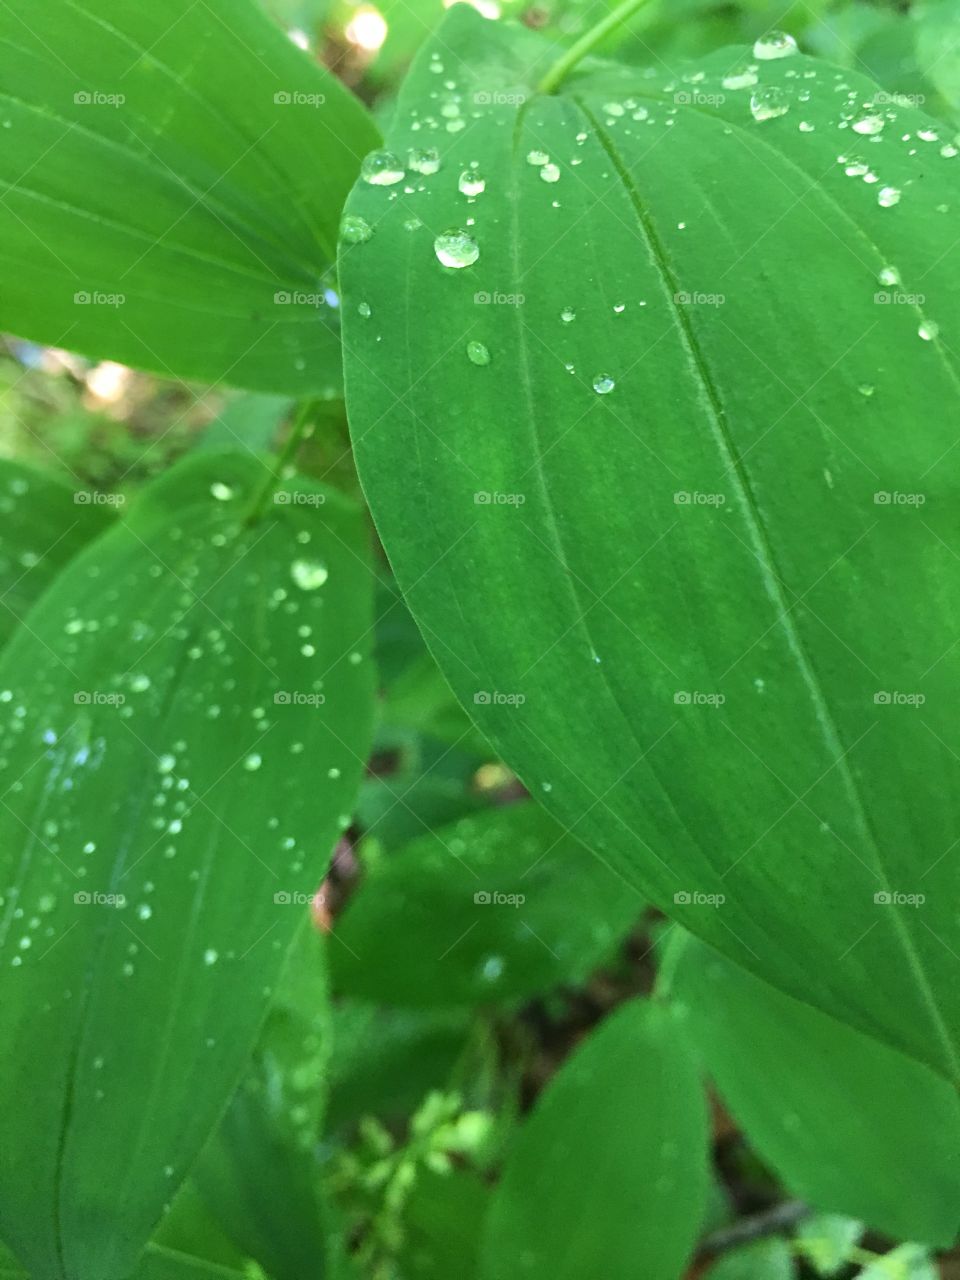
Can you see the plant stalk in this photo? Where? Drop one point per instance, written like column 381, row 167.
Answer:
column 285, row 455
column 588, row 41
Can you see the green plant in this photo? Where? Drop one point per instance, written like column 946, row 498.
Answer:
column 526, row 702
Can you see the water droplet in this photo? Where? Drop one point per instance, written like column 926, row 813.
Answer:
column 333, row 773
column 868, row 123
column 928, row 330
column 471, row 183
column 775, row 44
column 309, row 574
column 355, row 230
column 210, row 956
column 477, row 353
column 382, row 169
column 363, row 309
column 456, row 249
column 567, row 315
column 140, row 683
column 603, row 384
column 613, row 108
column 550, row 173
column 806, row 127
column 537, row 157
column 889, row 276
column 252, row 762
column 887, row 197
column 426, row 162
column 769, row 103
column 928, row 135
column 222, row 492
column 144, row 911
column 745, row 79
column 491, row 969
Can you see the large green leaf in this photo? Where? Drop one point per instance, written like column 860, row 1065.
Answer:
column 500, row 905
column 45, row 523
column 848, row 1124
column 684, row 546
column 172, row 178
column 156, row 836
column 158, row 1263
column 626, row 1110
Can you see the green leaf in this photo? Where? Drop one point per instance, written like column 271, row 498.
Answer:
column 908, row 1262
column 846, row 1123
column 687, row 533
column 46, row 523
column 259, row 1171
column 628, row 1108
column 762, row 1260
column 498, row 906
column 172, row 189
column 247, row 421
column 157, row 837
column 442, row 1223
column 938, row 47
column 829, row 1242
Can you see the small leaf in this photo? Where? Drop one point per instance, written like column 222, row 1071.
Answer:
column 907, row 1262
column 498, row 906
column 762, row 1260
column 158, row 846
column 829, row 1241
column 607, row 1177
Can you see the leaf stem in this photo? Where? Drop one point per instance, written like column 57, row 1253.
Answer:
column 588, row 41
column 284, row 457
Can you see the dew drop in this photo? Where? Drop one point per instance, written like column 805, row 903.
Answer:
column 471, row 183
column 491, row 969
column 355, row 230
column 456, row 249
column 603, row 384
column 210, row 956
column 769, row 103
column 222, row 492
column 866, row 389
column 887, row 197
column 252, row 762
column 363, row 309
column 426, row 161
column 309, row 574
column 537, row 157
column 928, row 330
column 868, row 123
column 775, row 44
column 745, row 79
column 567, row 315
column 477, row 353
column 550, row 173
column 889, row 276
column 382, row 169
column 144, row 911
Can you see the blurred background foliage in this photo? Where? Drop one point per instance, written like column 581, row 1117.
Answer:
column 434, row 1063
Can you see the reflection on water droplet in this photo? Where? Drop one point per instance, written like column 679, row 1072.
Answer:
column 253, row 762
column 471, row 183
column 745, row 79
column 477, row 353
column 866, row 389
column 775, row 44
column 550, row 173
column 456, row 249
column 381, row 169
column 491, row 969
column 769, row 103
column 568, row 314
column 363, row 309
column 868, row 123
column 309, row 574
column 355, row 230
column 887, row 197
column 889, row 276
column 537, row 157
column 928, row 330
column 222, row 492
column 425, row 162
column 210, row 956
column 603, row 384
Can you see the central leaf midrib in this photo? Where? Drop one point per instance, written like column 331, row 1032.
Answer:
column 767, row 560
